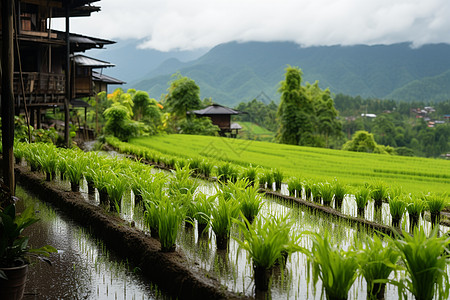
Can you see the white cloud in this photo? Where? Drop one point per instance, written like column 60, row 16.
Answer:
column 191, row 24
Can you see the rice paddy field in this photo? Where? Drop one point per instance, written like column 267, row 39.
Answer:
column 414, row 174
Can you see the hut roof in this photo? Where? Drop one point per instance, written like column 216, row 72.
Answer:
column 235, row 125
column 86, row 61
column 216, row 109
column 96, row 76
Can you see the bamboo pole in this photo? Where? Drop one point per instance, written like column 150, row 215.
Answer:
column 7, row 111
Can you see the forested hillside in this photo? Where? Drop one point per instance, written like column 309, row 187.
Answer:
column 235, row 72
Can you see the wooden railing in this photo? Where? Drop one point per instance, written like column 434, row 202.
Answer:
column 37, row 83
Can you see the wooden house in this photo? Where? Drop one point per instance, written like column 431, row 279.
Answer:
column 44, row 56
column 38, row 64
column 220, row 116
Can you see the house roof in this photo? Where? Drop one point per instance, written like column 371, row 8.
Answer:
column 96, row 76
column 216, row 109
column 79, row 103
column 235, row 126
column 79, row 42
column 86, row 61
column 78, row 8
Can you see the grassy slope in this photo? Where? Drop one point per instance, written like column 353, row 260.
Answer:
column 253, row 131
column 414, row 174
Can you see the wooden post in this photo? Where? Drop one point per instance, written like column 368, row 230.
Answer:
column 68, row 90
column 38, row 118
column 7, row 95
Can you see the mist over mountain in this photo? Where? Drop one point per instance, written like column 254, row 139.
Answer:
column 234, row 72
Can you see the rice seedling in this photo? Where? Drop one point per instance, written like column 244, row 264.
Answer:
column 19, row 152
column 206, row 168
column 265, row 240
column 202, row 208
column 327, row 192
column 250, row 174
column 251, row 202
column 336, row 268
column 295, row 187
column 49, row 159
column 266, row 180
column 93, row 164
column 231, row 189
column 182, row 181
column 376, row 262
column 435, row 204
column 75, row 166
column 227, row 172
column 425, row 259
column 102, row 178
column 397, row 207
column 362, row 199
column 155, row 187
column 414, row 206
column 315, row 191
column 116, row 188
column 308, row 188
column 194, row 164
column 340, row 190
column 379, row 193
column 151, row 215
column 170, row 217
column 277, row 178
column 222, row 215
column 32, row 156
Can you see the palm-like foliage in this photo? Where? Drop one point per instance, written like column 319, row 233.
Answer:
column 339, row 193
column 376, row 263
column 116, row 187
column 379, row 192
column 362, row 199
column 397, row 207
column 222, row 215
column 326, row 191
column 251, row 202
column 277, row 178
column 337, row 269
column 170, row 217
column 425, row 259
column 435, row 204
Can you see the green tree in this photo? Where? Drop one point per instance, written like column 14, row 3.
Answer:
column 118, row 122
column 362, row 141
column 183, row 95
column 306, row 114
column 295, row 126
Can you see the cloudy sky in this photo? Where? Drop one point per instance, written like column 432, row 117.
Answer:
column 194, row 24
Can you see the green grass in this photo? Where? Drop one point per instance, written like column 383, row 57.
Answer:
column 253, row 131
column 414, row 174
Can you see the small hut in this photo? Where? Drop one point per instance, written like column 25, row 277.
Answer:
column 220, row 116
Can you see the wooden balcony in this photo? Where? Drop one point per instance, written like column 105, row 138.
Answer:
column 40, row 83
column 41, row 89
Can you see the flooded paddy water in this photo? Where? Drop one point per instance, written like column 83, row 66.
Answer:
column 232, row 267
column 83, row 268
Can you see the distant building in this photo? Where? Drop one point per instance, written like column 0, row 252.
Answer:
column 220, row 116
column 369, row 115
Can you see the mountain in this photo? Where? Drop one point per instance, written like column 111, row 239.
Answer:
column 133, row 63
column 235, row 72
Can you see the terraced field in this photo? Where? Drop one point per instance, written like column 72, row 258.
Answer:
column 414, row 174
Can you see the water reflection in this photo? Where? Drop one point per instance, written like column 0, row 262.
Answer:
column 83, row 268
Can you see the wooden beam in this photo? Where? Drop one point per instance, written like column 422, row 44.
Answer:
column 7, row 112
column 68, row 89
column 44, row 3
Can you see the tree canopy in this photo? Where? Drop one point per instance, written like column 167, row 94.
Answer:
column 183, row 95
column 306, row 114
